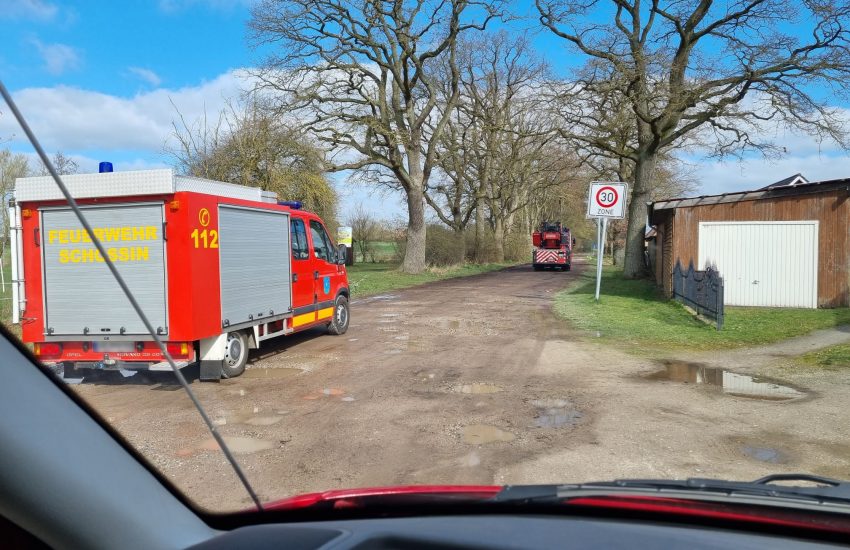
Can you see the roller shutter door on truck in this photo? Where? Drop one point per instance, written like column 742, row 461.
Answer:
column 81, row 295
column 254, row 256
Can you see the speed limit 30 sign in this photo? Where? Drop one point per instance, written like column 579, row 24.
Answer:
column 607, row 200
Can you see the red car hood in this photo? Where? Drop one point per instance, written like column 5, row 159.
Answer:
column 352, row 498
column 670, row 509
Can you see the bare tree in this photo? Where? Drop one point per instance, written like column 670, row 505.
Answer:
column 247, row 146
column 364, row 231
column 452, row 193
column 359, row 74
column 12, row 167
column 531, row 169
column 492, row 148
column 64, row 165
column 701, row 72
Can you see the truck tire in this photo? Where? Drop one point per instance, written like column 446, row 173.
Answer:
column 567, row 267
column 538, row 267
column 339, row 321
column 235, row 355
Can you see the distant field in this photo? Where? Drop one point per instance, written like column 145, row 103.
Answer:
column 384, row 252
column 368, row 278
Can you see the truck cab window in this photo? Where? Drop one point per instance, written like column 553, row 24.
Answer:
column 300, row 250
column 321, row 242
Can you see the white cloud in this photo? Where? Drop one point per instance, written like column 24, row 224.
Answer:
column 147, row 75
column 28, row 9
column 72, row 119
column 724, row 177
column 58, row 58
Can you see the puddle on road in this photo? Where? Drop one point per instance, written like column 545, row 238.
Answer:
column 479, row 434
column 239, row 445
column 378, row 298
column 765, row 454
column 555, row 413
column 263, row 420
column 467, row 327
column 283, row 372
column 727, row 382
column 470, row 461
column 476, row 388
column 323, row 393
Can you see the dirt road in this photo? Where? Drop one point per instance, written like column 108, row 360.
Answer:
column 475, row 381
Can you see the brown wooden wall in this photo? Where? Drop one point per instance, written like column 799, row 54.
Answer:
column 664, row 263
column 831, row 209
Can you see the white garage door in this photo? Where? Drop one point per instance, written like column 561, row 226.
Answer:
column 772, row 264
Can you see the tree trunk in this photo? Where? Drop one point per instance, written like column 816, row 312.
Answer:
column 499, row 239
column 460, row 237
column 635, row 233
column 414, row 253
column 479, row 231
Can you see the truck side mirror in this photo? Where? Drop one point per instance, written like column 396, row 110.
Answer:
column 341, row 254
column 574, row 241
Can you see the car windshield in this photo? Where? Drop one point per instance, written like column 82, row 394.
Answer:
column 437, row 242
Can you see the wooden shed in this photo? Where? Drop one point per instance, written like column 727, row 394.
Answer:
column 780, row 246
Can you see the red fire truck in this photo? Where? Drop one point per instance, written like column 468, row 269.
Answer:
column 217, row 268
column 553, row 247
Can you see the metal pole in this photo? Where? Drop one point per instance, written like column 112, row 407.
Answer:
column 601, row 223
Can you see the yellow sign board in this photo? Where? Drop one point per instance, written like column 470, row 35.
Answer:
column 343, row 236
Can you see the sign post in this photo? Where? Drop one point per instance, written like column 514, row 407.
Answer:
column 605, row 200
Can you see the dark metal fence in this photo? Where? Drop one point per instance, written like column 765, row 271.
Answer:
column 700, row 290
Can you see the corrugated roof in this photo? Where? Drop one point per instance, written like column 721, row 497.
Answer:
column 758, row 194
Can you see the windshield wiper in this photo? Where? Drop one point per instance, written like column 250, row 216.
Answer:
column 825, row 490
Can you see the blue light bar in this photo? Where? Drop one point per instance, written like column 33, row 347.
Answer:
column 295, row 205
column 104, row 167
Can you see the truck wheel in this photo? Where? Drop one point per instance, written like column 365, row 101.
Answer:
column 235, row 355
column 567, row 267
column 538, row 267
column 339, row 324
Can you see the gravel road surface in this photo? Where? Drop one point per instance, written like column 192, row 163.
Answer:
column 474, row 380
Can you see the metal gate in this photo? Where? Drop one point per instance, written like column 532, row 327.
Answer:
column 81, row 297
column 254, row 257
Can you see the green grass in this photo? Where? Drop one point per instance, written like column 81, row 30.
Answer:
column 383, row 251
column 633, row 313
column 831, row 358
column 367, row 279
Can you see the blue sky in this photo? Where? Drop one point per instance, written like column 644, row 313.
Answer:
column 97, row 81
column 98, row 45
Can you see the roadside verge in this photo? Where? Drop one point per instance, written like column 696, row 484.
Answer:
column 634, row 315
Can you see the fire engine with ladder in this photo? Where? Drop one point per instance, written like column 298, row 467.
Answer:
column 553, row 247
column 217, row 268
